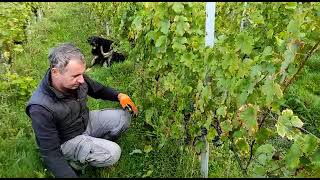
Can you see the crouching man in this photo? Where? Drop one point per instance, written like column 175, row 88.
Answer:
column 67, row 133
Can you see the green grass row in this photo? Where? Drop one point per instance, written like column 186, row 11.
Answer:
column 304, row 95
column 70, row 22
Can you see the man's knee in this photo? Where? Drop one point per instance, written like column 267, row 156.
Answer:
column 123, row 125
column 108, row 157
column 115, row 152
column 127, row 120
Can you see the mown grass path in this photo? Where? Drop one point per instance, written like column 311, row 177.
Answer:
column 70, row 22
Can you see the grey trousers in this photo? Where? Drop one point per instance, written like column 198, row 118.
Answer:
column 93, row 146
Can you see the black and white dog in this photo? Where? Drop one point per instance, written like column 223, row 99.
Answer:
column 103, row 52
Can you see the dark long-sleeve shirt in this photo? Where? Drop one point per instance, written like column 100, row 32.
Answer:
column 47, row 135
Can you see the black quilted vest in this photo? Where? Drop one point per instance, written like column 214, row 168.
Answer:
column 70, row 113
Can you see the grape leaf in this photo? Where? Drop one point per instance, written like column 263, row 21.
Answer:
column 264, row 153
column 177, row 7
column 245, row 43
column 165, row 25
column 222, row 111
column 293, row 156
column 310, row 144
column 161, row 41
column 249, row 117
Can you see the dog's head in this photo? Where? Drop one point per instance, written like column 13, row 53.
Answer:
column 93, row 40
column 99, row 41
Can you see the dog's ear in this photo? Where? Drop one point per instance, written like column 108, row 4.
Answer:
column 90, row 38
column 109, row 41
column 98, row 40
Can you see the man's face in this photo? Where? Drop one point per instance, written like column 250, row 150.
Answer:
column 72, row 76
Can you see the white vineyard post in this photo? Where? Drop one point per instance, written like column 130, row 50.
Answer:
column 210, row 21
column 107, row 28
column 243, row 16
column 39, row 14
column 209, row 39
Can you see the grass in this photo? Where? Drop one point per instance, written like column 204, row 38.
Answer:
column 18, row 156
column 69, row 22
column 303, row 95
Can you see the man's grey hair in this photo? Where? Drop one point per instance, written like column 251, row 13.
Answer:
column 60, row 56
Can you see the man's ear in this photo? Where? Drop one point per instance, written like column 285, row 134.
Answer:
column 55, row 71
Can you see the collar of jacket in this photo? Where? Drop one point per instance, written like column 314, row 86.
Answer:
column 51, row 90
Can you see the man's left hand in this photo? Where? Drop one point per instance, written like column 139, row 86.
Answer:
column 125, row 100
